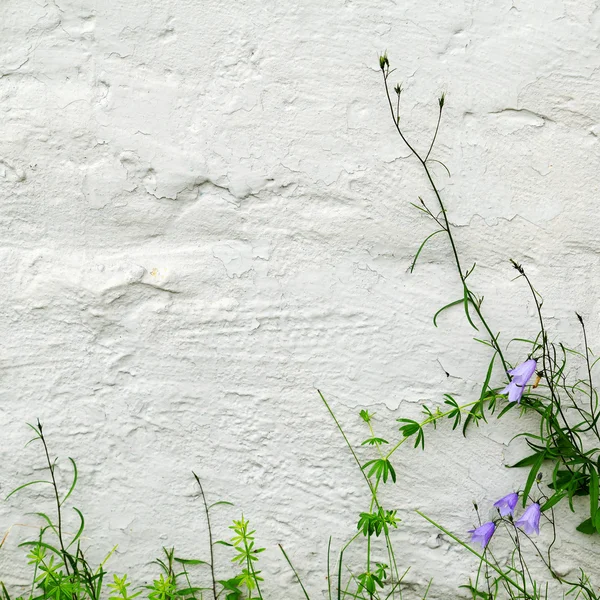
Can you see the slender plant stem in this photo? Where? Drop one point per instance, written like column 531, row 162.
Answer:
column 369, row 558
column 289, row 562
column 437, row 127
column 427, row 421
column 546, row 359
column 251, row 566
column 463, row 276
column 56, row 496
column 492, row 565
column 210, row 536
column 593, row 402
column 371, row 488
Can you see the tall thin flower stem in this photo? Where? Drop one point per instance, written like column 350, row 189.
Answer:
column 546, row 364
column 210, row 537
column 250, row 567
column 501, row 573
column 57, row 498
column 470, row 297
column 593, row 400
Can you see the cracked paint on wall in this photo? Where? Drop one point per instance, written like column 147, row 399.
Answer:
column 206, row 216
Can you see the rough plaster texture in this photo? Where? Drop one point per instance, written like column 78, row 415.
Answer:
column 205, row 216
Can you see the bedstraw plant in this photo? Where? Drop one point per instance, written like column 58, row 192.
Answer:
column 60, row 569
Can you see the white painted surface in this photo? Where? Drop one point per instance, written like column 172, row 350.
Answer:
column 205, row 216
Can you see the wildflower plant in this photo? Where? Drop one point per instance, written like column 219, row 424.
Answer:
column 567, row 440
column 537, row 379
column 61, row 570
column 568, row 437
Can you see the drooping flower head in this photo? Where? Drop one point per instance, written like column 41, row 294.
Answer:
column 524, row 371
column 506, row 505
column 529, row 521
column 483, row 534
column 520, row 376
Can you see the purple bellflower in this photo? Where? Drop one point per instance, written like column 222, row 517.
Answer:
column 529, row 521
column 525, row 370
column 483, row 533
column 506, row 505
column 520, row 376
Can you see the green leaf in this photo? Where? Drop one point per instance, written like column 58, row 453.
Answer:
column 48, row 520
column 509, row 406
column 525, row 462
column 597, row 521
column 593, row 492
column 221, row 502
column 488, row 376
column 554, row 499
column 450, row 400
column 26, row 485
column 73, row 484
column 289, row 562
column 444, row 308
column 380, row 468
column 410, row 428
column 532, row 475
column 190, row 561
column 476, row 411
column 414, row 262
column 454, row 414
column 392, row 472
column 420, row 439
column 586, row 527
column 365, row 415
column 475, row 414
column 475, row 592
column 43, row 545
column 466, row 300
column 375, row 441
column 81, row 527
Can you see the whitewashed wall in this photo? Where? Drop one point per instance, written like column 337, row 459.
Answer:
column 206, row 216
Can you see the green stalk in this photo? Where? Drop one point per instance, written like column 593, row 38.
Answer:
column 481, row 557
column 463, row 277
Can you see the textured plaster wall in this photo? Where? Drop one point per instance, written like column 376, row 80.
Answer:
column 205, row 216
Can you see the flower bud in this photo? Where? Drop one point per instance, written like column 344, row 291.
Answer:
column 383, row 61
column 398, row 89
column 441, row 100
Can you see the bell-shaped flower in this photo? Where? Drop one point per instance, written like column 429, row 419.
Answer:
column 529, row 521
column 514, row 391
column 506, row 505
column 483, row 533
column 524, row 371
column 520, row 376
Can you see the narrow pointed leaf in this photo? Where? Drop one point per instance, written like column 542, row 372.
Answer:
column 456, row 302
